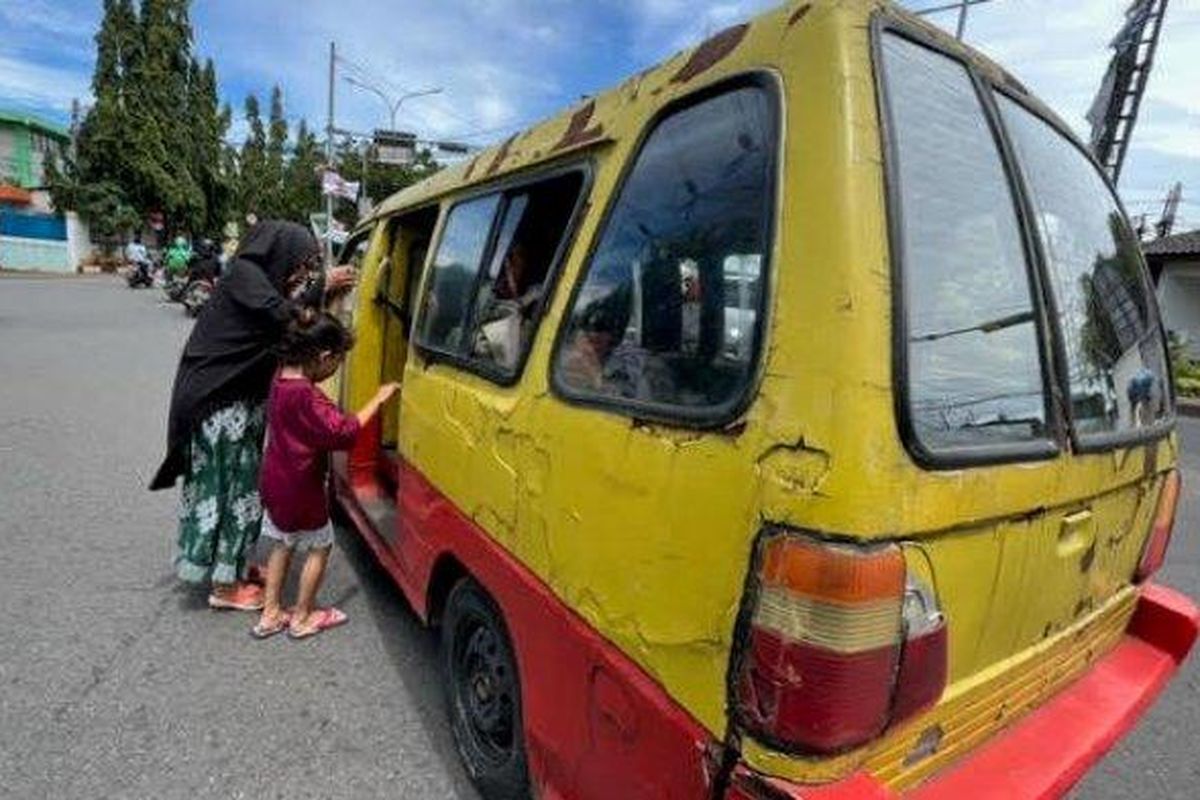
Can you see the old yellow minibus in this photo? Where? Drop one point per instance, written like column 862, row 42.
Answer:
column 791, row 421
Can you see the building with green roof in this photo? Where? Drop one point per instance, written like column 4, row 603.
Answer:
column 26, row 142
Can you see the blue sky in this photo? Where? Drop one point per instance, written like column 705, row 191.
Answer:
column 503, row 63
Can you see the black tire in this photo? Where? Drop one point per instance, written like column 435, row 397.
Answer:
column 483, row 691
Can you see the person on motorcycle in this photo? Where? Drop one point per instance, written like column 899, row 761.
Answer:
column 178, row 256
column 202, row 276
column 205, row 265
column 138, row 257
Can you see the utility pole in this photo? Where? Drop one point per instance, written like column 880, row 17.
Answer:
column 365, row 197
column 1166, row 222
column 329, row 157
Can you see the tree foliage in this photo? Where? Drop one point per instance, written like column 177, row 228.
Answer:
column 154, row 142
column 382, row 180
column 302, row 192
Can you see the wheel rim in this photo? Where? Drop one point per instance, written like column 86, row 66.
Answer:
column 484, row 690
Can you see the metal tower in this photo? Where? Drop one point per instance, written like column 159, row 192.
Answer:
column 1166, row 223
column 1115, row 109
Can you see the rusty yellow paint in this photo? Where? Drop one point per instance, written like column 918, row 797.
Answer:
column 359, row 377
column 646, row 531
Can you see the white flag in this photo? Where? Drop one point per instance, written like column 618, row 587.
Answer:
column 336, row 185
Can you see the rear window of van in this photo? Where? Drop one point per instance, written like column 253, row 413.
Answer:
column 1105, row 313
column 987, row 293
column 974, row 365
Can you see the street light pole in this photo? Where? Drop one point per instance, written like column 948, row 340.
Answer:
column 393, row 110
column 329, row 158
column 392, row 107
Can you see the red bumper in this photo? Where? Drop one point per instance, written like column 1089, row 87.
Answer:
column 1051, row 749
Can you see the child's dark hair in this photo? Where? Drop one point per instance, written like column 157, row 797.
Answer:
column 311, row 333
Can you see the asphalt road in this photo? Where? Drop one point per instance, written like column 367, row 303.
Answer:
column 117, row 682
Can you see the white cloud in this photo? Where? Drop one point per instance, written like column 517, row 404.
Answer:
column 662, row 27
column 1060, row 51
column 489, row 59
column 47, row 17
column 39, row 86
column 504, row 63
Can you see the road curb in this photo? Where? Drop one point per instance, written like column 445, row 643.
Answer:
column 1187, row 406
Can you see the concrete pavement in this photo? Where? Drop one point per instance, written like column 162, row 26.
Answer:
column 115, row 682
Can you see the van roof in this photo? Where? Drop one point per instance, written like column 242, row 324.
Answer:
column 610, row 115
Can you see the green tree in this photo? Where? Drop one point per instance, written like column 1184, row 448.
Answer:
column 153, row 140
column 383, row 180
column 160, row 135
column 302, row 191
column 274, row 205
column 96, row 178
column 252, row 163
column 208, row 122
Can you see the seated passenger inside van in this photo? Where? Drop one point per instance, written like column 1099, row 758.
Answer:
column 601, row 357
column 505, row 320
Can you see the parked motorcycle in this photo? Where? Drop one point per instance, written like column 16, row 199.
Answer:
column 197, row 295
column 140, row 275
column 203, row 272
column 174, row 286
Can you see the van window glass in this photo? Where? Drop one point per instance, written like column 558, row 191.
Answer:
column 451, row 284
column 534, row 222
column 669, row 312
column 1115, row 361
column 974, row 368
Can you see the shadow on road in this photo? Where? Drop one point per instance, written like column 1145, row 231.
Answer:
column 412, row 649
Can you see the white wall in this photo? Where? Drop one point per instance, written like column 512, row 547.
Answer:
column 79, row 241
column 37, row 254
column 1179, row 299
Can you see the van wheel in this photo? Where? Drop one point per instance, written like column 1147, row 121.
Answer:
column 484, row 691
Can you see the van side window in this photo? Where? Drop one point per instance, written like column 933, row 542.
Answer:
column 974, row 373
column 491, row 272
column 531, row 232
column 1116, row 366
column 451, row 284
column 668, row 316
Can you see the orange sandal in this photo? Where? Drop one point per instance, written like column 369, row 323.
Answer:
column 246, row 597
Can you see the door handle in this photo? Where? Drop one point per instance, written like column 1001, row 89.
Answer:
column 1077, row 533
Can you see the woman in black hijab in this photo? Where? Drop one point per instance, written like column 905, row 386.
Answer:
column 215, row 428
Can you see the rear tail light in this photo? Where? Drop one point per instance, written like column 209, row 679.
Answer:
column 841, row 641
column 1160, row 534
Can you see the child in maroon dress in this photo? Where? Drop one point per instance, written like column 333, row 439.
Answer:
column 303, row 427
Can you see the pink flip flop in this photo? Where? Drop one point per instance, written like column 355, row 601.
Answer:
column 323, row 620
column 260, row 631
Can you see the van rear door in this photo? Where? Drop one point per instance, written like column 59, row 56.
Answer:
column 1026, row 333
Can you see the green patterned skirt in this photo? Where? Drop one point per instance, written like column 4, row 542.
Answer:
column 220, row 512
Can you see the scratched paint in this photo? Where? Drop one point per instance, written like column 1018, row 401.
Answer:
column 645, row 531
column 711, row 52
column 501, row 154
column 580, row 129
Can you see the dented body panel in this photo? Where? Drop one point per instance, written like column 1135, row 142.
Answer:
column 645, row 532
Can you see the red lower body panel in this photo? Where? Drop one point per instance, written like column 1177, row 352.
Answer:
column 597, row 726
column 1043, row 755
